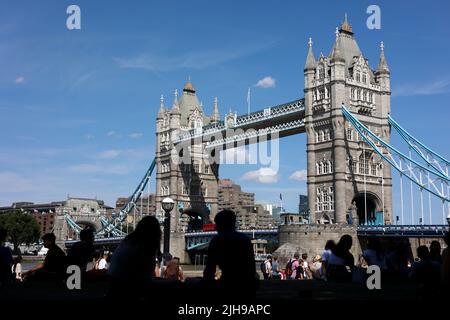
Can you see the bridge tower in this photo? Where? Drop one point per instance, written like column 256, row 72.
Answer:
column 192, row 184
column 347, row 182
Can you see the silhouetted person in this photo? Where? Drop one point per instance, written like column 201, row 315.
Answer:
column 329, row 246
column 6, row 259
column 435, row 252
column 82, row 252
column 341, row 261
column 55, row 263
column 232, row 252
column 425, row 272
column 374, row 254
column 132, row 266
column 445, row 269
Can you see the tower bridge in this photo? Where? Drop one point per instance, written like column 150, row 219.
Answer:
column 345, row 112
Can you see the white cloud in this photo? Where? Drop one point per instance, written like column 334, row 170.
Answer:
column 135, row 135
column 108, row 154
column 262, row 175
column 96, row 168
column 20, row 80
column 111, row 133
column 430, row 88
column 266, row 82
column 299, row 175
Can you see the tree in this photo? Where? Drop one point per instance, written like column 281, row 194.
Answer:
column 21, row 228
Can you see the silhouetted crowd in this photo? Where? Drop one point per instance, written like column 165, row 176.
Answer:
column 137, row 265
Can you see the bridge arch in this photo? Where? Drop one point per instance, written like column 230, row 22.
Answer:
column 374, row 208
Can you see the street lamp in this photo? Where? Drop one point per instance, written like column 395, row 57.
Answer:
column 167, row 205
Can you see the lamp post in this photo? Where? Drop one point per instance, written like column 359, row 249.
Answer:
column 167, row 205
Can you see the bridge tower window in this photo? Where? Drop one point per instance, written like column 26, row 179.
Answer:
column 349, row 134
column 364, row 77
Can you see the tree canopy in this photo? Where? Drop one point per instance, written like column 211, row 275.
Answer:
column 21, row 228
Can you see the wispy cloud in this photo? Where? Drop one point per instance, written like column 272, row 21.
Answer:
column 135, row 135
column 109, row 154
column 190, row 60
column 299, row 175
column 89, row 136
column 13, row 182
column 431, row 88
column 89, row 168
column 266, row 82
column 20, row 80
column 262, row 175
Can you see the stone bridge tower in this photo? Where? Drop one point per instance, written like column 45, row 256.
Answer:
column 191, row 184
column 347, row 181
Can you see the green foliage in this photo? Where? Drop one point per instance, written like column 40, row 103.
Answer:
column 21, row 227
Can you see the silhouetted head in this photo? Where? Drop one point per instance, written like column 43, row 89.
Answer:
column 87, row 235
column 225, row 221
column 330, row 245
column 304, row 256
column 296, row 255
column 423, row 253
column 147, row 233
column 49, row 240
column 17, row 259
column 3, row 235
column 345, row 243
column 435, row 247
column 447, row 238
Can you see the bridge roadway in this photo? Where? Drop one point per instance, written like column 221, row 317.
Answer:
column 199, row 238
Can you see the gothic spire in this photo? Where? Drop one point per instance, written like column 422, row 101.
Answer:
column 310, row 60
column 336, row 55
column 215, row 116
column 382, row 65
column 345, row 26
column 175, row 107
column 161, row 108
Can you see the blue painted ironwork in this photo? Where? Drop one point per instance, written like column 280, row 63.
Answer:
column 389, row 155
column 403, row 230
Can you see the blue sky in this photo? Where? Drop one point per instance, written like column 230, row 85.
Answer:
column 78, row 108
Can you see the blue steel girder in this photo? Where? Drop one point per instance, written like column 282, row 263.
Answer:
column 435, row 182
column 293, row 110
column 198, row 239
column 412, row 231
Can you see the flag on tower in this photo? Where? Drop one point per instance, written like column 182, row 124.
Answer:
column 248, row 100
column 281, row 197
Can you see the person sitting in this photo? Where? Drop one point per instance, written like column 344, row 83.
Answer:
column 132, row 268
column 17, row 269
column 55, row 263
column 425, row 271
column 82, row 252
column 232, row 252
column 6, row 259
column 341, row 261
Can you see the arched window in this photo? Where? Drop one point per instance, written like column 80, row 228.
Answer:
column 330, row 165
column 322, row 94
column 322, row 135
column 349, row 134
column 363, row 164
column 352, row 93
column 358, row 77
column 321, row 169
column 326, row 167
column 371, row 97
column 317, row 136
column 374, row 169
column 317, row 168
column 364, row 95
column 358, row 94
column 364, row 77
column 321, row 73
